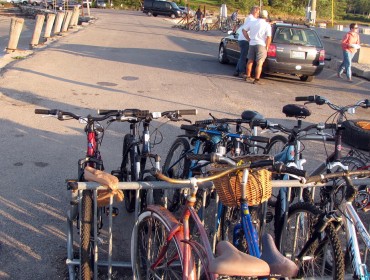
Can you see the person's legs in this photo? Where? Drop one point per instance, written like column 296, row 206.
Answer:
column 349, row 66
column 251, row 57
column 241, row 66
column 260, row 58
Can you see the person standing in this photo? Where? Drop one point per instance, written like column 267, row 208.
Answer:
column 240, row 69
column 199, row 17
column 259, row 42
column 350, row 45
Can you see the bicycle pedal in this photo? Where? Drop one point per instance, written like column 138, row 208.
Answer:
column 115, row 211
column 269, row 216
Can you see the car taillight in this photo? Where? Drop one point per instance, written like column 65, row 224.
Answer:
column 271, row 51
column 322, row 55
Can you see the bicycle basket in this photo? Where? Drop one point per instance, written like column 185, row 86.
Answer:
column 228, row 187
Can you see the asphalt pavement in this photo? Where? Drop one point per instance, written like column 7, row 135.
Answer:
column 122, row 60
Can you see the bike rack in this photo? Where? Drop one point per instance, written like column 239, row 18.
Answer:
column 148, row 185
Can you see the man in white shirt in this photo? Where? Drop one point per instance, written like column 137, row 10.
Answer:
column 240, row 69
column 259, row 41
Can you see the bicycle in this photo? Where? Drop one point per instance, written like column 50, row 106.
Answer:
column 137, row 149
column 165, row 247
column 316, row 246
column 84, row 200
column 292, row 153
column 214, row 135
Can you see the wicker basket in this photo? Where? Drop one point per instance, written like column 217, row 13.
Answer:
column 229, row 187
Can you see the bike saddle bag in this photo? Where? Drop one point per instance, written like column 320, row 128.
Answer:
column 296, row 111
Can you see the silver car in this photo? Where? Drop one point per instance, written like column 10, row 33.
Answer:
column 295, row 49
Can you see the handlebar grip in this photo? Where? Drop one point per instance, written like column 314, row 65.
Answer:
column 104, row 112
column 262, row 163
column 206, row 157
column 260, row 139
column 43, row 112
column 367, row 103
column 260, row 123
column 204, row 122
column 185, row 112
column 282, row 168
column 330, row 126
column 305, row 98
column 189, row 127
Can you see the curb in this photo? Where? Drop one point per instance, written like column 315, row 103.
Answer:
column 358, row 70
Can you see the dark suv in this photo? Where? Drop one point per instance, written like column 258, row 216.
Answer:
column 164, row 8
column 295, row 49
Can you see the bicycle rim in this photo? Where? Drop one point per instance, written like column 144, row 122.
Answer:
column 152, row 232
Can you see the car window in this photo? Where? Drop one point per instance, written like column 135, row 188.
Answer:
column 168, row 6
column 159, row 4
column 174, row 6
column 293, row 35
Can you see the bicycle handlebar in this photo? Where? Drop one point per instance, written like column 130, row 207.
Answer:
column 146, row 114
column 320, row 100
column 61, row 115
column 323, row 177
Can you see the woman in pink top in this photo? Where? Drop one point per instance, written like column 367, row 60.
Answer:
column 350, row 44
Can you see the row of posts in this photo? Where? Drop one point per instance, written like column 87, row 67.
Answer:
column 61, row 21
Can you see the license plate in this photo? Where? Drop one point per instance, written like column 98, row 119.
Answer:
column 298, row 55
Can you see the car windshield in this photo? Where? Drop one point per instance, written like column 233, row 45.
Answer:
column 174, row 5
column 297, row 36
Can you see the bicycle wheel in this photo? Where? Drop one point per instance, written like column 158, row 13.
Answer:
column 176, row 165
column 86, row 248
column 129, row 172
column 324, row 257
column 276, row 145
column 153, row 230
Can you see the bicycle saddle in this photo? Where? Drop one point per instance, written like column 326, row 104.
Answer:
column 279, row 265
column 296, row 110
column 251, row 115
column 231, row 262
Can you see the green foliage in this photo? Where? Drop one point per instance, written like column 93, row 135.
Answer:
column 356, row 18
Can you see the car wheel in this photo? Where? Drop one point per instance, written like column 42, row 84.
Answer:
column 154, row 15
column 205, row 27
column 305, row 78
column 149, row 14
column 173, row 16
column 222, row 56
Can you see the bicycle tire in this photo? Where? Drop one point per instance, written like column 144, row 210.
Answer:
column 153, row 228
column 303, row 216
column 276, row 145
column 86, row 248
column 128, row 172
column 176, row 165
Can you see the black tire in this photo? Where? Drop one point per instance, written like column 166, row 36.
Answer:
column 305, row 78
column 155, row 15
column 205, row 27
column 276, row 145
column 222, row 55
column 176, row 165
column 86, row 249
column 128, row 173
column 301, row 220
column 152, row 231
column 173, row 16
column 356, row 136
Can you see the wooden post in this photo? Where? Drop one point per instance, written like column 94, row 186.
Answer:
column 50, row 18
column 75, row 16
column 67, row 20
column 16, row 25
column 37, row 32
column 58, row 22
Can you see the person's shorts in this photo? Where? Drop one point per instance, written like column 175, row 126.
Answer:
column 257, row 53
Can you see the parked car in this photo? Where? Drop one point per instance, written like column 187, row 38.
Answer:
column 60, row 4
column 101, row 4
column 35, row 2
column 295, row 49
column 25, row 2
column 185, row 11
column 164, row 8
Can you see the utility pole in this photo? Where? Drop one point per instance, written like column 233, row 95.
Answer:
column 313, row 12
